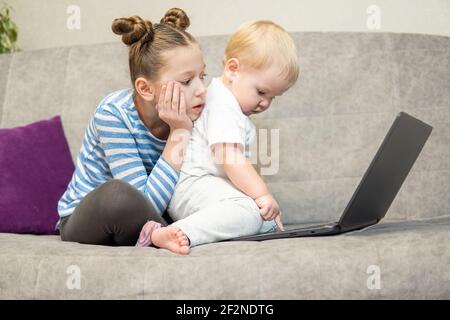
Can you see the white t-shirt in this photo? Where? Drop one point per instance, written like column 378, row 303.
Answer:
column 221, row 120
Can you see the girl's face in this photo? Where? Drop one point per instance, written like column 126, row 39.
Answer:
column 255, row 89
column 185, row 65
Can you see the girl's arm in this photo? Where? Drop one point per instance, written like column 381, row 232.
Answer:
column 178, row 121
column 122, row 155
column 174, row 149
column 125, row 163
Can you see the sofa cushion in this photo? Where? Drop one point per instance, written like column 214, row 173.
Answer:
column 390, row 260
column 36, row 167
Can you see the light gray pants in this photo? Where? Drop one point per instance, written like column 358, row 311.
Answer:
column 209, row 209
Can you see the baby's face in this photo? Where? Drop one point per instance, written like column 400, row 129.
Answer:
column 256, row 89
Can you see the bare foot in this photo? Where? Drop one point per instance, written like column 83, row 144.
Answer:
column 171, row 238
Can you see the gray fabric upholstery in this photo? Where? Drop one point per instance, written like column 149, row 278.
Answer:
column 413, row 258
column 330, row 125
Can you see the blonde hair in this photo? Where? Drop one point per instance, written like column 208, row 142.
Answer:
column 258, row 44
column 147, row 41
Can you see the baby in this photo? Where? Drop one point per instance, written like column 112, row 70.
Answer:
column 219, row 194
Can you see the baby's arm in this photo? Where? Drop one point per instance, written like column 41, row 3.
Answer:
column 244, row 176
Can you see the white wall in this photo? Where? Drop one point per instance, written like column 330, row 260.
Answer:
column 43, row 23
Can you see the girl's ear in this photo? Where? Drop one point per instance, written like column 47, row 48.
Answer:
column 145, row 88
column 231, row 69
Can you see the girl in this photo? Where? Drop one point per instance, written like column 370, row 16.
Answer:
column 132, row 151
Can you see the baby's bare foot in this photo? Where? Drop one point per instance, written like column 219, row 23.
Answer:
column 171, row 238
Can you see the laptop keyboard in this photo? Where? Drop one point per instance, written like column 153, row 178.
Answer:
column 312, row 226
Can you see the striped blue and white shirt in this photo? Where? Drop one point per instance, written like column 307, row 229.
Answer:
column 117, row 145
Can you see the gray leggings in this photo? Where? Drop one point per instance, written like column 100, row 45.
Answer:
column 112, row 214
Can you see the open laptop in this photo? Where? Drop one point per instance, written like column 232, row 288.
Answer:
column 379, row 185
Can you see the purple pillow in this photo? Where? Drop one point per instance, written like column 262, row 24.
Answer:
column 35, row 169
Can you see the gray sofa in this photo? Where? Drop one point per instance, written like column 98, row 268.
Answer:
column 331, row 123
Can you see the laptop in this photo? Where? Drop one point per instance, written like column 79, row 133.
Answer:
column 379, row 185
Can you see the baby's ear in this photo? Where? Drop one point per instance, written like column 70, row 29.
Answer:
column 231, row 67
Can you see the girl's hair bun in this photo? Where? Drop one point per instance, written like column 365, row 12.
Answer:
column 176, row 18
column 133, row 29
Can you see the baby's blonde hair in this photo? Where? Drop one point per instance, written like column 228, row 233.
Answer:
column 258, row 44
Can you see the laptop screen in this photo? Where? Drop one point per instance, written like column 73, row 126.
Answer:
column 386, row 173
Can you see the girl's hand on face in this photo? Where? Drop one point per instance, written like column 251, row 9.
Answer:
column 171, row 107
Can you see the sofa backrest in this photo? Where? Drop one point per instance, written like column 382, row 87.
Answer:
column 330, row 123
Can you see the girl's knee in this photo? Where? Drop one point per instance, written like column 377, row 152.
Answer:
column 122, row 203
column 118, row 197
column 114, row 187
column 120, row 191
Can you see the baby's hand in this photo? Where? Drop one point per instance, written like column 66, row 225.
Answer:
column 146, row 233
column 269, row 210
column 268, row 207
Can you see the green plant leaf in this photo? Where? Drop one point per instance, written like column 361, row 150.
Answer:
column 8, row 31
column 3, row 41
column 4, row 26
column 13, row 35
column 7, row 42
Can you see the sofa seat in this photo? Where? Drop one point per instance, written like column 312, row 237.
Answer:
column 331, row 267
